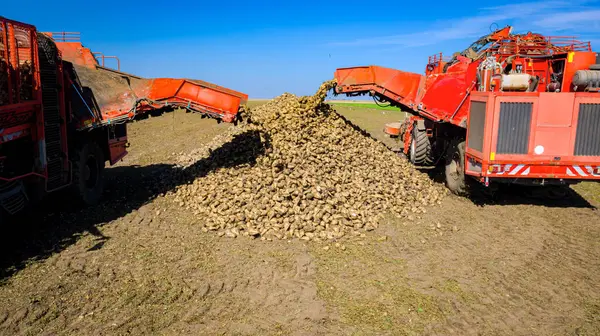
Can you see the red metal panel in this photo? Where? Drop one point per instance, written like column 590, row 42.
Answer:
column 526, row 170
column 550, row 128
column 444, row 94
column 14, row 133
column 117, row 149
column 487, row 98
column 553, row 141
column 555, row 110
column 183, row 91
column 399, row 86
column 76, row 53
column 553, row 129
column 117, row 98
column 576, row 61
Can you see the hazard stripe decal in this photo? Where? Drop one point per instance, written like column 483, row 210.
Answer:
column 579, row 171
column 516, row 170
column 525, row 170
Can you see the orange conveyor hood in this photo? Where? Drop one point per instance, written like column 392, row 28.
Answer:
column 120, row 95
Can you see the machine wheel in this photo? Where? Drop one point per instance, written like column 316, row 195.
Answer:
column 88, row 173
column 455, row 167
column 419, row 151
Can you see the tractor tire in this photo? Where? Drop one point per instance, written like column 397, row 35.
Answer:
column 419, row 152
column 455, row 167
column 88, row 173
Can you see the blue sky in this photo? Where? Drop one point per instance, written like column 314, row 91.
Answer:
column 270, row 47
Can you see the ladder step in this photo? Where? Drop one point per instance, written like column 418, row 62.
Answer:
column 51, row 112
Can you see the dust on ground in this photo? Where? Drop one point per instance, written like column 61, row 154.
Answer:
column 139, row 264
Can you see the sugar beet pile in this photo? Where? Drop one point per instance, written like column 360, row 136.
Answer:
column 300, row 170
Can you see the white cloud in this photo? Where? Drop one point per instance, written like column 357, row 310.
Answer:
column 536, row 5
column 549, row 16
column 561, row 21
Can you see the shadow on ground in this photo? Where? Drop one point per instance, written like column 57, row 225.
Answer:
column 505, row 194
column 514, row 194
column 57, row 222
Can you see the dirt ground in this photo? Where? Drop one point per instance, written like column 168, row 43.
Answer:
column 139, row 264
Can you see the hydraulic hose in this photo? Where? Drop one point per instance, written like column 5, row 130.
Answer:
column 378, row 101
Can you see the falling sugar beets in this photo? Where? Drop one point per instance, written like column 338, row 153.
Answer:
column 302, row 171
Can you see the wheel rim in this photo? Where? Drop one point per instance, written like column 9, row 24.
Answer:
column 413, row 150
column 91, row 172
column 455, row 167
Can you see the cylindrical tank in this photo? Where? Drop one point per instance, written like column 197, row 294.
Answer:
column 584, row 78
column 516, row 82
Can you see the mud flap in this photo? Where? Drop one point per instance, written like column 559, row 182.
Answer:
column 13, row 197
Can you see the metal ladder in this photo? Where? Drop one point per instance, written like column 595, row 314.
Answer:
column 55, row 157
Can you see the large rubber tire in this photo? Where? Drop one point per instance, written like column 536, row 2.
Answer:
column 455, row 167
column 419, row 152
column 88, row 173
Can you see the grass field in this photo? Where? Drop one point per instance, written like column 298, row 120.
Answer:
column 365, row 105
column 371, row 119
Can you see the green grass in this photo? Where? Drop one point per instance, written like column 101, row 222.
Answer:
column 367, row 105
column 364, row 106
column 255, row 103
column 372, row 120
column 590, row 191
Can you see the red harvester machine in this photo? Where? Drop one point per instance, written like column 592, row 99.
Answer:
column 511, row 108
column 63, row 114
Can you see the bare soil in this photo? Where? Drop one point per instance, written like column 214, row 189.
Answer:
column 139, row 264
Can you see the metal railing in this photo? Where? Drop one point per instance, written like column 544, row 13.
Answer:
column 65, row 36
column 546, row 45
column 437, row 58
column 102, row 57
column 569, row 42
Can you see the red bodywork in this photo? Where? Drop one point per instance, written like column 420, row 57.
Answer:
column 552, row 131
column 195, row 95
column 445, row 93
column 85, row 101
column 20, row 92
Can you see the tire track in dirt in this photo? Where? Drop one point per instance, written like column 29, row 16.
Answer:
column 257, row 299
column 514, row 269
column 152, row 275
column 506, row 269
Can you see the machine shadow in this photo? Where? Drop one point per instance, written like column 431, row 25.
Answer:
column 524, row 195
column 505, row 195
column 58, row 223
column 514, row 194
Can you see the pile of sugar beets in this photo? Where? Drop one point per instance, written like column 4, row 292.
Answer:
column 300, row 170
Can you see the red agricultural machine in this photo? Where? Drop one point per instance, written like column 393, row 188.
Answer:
column 63, row 114
column 511, row 108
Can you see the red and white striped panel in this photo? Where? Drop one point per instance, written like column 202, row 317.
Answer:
column 513, row 170
column 583, row 171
